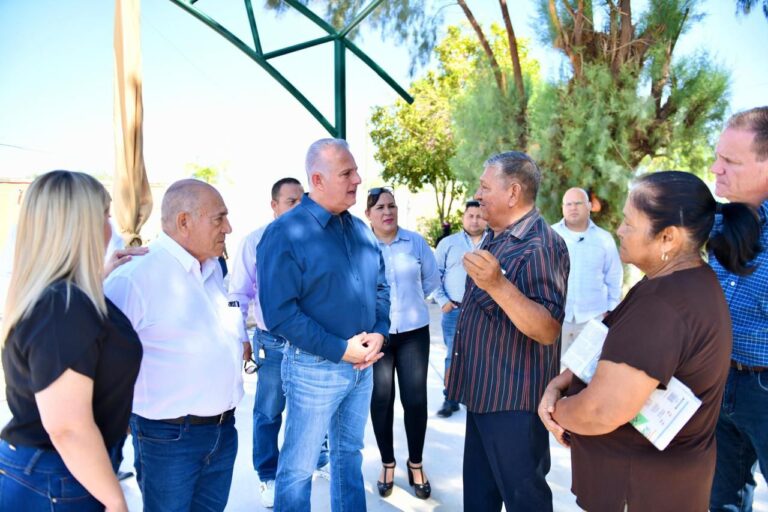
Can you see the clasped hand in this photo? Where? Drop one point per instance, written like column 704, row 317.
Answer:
column 364, row 349
column 547, row 408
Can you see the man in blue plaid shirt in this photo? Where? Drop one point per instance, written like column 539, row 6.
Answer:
column 741, row 174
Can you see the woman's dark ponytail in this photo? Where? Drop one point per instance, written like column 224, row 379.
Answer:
column 738, row 241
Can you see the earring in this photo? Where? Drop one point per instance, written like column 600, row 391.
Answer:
column 664, row 256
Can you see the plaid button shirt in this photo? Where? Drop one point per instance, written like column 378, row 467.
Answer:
column 747, row 298
column 495, row 367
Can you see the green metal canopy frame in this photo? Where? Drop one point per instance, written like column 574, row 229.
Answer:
column 340, row 45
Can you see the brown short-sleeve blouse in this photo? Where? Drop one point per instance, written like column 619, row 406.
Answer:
column 675, row 325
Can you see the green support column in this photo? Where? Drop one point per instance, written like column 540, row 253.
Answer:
column 340, row 81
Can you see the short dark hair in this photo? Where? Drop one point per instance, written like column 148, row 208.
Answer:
column 754, row 120
column 279, row 184
column 518, row 165
column 682, row 199
column 472, row 204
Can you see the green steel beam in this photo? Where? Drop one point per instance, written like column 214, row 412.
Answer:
column 340, row 87
column 377, row 69
column 274, row 73
column 360, row 17
column 254, row 30
column 340, row 41
column 300, row 46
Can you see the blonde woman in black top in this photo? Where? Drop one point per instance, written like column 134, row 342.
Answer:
column 70, row 357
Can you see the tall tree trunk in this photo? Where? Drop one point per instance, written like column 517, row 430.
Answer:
column 522, row 119
column 497, row 73
column 626, row 34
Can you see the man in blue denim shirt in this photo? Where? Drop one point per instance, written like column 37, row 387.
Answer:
column 323, row 288
column 269, row 403
column 741, row 174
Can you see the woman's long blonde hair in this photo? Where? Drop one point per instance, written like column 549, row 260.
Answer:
column 60, row 236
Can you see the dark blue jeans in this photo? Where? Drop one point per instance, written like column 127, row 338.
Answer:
column 183, row 467
column 269, row 405
column 742, row 441
column 35, row 480
column 448, row 323
column 506, row 460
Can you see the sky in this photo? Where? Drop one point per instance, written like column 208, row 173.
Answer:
column 206, row 103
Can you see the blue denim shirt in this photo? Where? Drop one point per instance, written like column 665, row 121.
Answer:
column 747, row 298
column 321, row 280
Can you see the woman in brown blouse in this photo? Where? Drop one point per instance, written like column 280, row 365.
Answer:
column 675, row 322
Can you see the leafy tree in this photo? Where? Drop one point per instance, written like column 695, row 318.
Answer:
column 415, row 142
column 627, row 102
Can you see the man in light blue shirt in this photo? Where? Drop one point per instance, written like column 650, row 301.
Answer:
column 594, row 284
column 322, row 287
column 453, row 277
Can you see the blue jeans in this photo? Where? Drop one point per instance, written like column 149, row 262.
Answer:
column 183, row 467
column 269, row 405
column 448, row 324
column 742, row 441
column 35, row 480
column 322, row 396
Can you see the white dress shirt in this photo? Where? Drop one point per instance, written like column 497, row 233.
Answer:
column 594, row 283
column 243, row 281
column 191, row 336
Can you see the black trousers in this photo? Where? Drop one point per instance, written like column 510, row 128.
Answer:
column 408, row 355
column 506, row 460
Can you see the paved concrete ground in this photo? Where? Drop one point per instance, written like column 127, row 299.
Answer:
column 442, row 458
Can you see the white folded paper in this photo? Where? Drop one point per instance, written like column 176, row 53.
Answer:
column 667, row 410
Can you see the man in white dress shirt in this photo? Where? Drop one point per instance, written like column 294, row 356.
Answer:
column 190, row 380
column 594, row 284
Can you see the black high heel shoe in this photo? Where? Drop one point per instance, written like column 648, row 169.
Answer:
column 422, row 490
column 385, row 488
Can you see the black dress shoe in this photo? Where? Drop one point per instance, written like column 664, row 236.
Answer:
column 455, row 406
column 447, row 410
column 423, row 490
column 385, row 487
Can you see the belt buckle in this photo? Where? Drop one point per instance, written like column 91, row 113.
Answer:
column 740, row 367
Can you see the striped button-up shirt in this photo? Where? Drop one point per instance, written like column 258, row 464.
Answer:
column 747, row 298
column 496, row 367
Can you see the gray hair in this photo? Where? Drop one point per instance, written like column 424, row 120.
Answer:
column 314, row 161
column 521, row 167
column 181, row 196
column 754, row 120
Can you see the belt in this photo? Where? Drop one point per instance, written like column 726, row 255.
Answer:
column 744, row 368
column 457, row 304
column 202, row 420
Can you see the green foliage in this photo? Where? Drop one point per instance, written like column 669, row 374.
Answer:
column 431, row 228
column 207, row 174
column 481, row 108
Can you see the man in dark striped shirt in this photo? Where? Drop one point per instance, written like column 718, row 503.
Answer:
column 507, row 344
